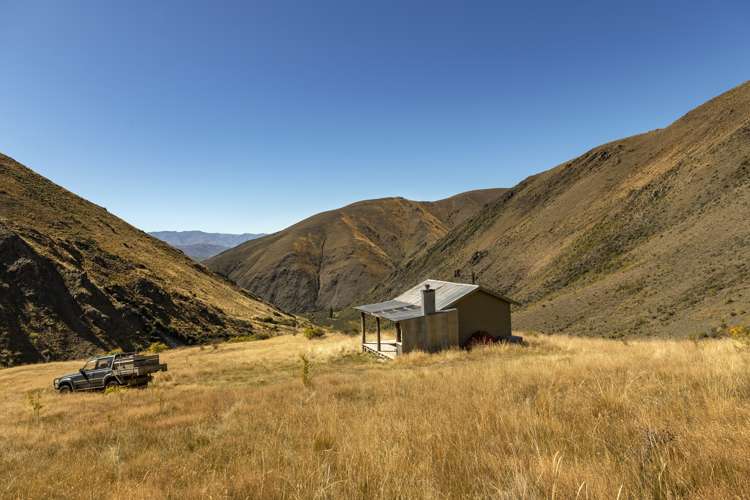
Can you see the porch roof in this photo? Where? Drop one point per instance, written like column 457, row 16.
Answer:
column 394, row 310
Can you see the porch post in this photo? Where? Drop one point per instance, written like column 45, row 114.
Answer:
column 364, row 331
column 377, row 321
column 398, row 332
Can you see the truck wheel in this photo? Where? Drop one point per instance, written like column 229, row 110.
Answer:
column 65, row 389
column 111, row 383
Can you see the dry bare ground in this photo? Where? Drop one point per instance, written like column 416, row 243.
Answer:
column 561, row 418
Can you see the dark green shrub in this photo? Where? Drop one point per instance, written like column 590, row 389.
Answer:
column 157, row 347
column 251, row 338
column 313, row 332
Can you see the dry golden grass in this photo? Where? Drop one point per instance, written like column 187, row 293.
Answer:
column 562, row 418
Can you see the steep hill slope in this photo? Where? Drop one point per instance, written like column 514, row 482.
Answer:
column 75, row 279
column 329, row 258
column 646, row 235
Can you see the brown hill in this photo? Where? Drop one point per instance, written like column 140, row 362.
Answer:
column 326, row 260
column 75, row 279
column 646, row 235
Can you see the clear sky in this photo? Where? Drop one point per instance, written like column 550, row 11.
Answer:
column 248, row 116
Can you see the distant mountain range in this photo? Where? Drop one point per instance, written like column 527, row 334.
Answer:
column 200, row 245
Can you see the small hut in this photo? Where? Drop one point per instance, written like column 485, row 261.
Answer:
column 436, row 315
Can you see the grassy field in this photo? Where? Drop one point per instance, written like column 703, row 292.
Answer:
column 560, row 418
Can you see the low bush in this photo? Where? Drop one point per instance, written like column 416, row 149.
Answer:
column 741, row 335
column 279, row 321
column 34, row 400
column 114, row 389
column 157, row 347
column 313, row 332
column 250, row 338
column 305, row 371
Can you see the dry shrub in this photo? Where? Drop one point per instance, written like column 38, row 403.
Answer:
column 313, row 332
column 305, row 370
column 157, row 347
column 740, row 335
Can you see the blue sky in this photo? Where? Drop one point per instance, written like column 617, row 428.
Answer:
column 249, row 116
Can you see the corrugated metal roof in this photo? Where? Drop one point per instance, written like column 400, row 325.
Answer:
column 409, row 304
column 446, row 293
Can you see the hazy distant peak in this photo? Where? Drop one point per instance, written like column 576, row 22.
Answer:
column 182, row 238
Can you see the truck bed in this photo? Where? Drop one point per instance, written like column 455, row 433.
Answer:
column 137, row 365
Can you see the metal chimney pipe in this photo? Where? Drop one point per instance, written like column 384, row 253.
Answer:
column 428, row 300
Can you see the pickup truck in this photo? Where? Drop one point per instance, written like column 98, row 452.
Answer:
column 112, row 370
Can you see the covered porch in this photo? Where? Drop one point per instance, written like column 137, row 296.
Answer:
column 392, row 312
column 387, row 348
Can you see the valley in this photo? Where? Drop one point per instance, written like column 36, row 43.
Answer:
column 647, row 235
column 374, row 250
column 200, row 245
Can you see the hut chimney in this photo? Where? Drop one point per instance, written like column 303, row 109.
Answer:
column 428, row 300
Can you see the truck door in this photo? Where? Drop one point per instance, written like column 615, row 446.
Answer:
column 102, row 369
column 82, row 381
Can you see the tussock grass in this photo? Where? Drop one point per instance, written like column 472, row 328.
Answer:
column 561, row 418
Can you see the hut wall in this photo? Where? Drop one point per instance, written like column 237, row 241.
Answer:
column 481, row 312
column 431, row 333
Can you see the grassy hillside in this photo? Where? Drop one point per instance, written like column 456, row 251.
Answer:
column 561, row 418
column 327, row 260
column 74, row 279
column 645, row 235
